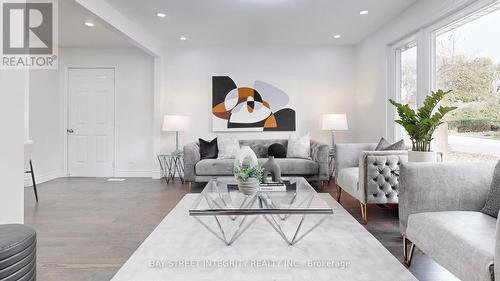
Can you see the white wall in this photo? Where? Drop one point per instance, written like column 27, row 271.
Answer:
column 133, row 101
column 371, row 66
column 317, row 79
column 13, row 86
column 45, row 126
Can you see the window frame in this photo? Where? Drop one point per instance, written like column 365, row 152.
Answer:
column 395, row 66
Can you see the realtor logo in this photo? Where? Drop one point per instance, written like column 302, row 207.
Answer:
column 29, row 34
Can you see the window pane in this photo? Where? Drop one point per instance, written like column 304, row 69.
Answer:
column 408, row 91
column 468, row 62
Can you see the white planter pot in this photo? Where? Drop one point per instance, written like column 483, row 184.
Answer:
column 422, row 156
column 249, row 187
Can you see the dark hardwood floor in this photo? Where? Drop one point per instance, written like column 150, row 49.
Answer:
column 88, row 227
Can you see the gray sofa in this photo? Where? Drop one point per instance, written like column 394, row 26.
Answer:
column 439, row 213
column 372, row 177
column 314, row 169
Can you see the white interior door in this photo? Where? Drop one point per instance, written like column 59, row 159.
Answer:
column 91, row 112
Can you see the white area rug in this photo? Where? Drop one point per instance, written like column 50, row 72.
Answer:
column 180, row 248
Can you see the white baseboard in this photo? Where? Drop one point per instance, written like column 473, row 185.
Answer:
column 157, row 175
column 133, row 173
column 45, row 177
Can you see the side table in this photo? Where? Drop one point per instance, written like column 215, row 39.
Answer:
column 171, row 164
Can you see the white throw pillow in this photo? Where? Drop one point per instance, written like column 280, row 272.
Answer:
column 228, row 147
column 299, row 147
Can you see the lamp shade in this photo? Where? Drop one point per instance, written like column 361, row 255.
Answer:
column 175, row 123
column 334, row 122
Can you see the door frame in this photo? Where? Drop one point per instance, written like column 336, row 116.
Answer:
column 65, row 104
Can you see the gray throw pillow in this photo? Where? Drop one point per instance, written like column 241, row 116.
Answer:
column 259, row 149
column 400, row 145
column 384, row 145
column 492, row 205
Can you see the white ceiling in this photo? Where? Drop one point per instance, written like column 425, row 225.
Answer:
column 256, row 22
column 73, row 33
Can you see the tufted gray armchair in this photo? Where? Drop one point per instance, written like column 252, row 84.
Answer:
column 370, row 176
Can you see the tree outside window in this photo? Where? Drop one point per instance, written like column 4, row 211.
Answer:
column 468, row 62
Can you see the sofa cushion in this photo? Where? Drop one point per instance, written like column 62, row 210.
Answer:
column 348, row 179
column 260, row 147
column 295, row 166
column 208, row 149
column 215, row 167
column 384, row 145
column 299, row 147
column 492, row 205
column 399, row 145
column 224, row 167
column 277, row 150
column 260, row 150
column 228, row 147
column 461, row 241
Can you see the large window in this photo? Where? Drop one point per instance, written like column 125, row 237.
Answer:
column 408, row 82
column 460, row 53
column 467, row 61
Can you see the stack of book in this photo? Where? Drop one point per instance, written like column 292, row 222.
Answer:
column 273, row 186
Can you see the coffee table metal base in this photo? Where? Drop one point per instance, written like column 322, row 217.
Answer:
column 227, row 213
column 228, row 237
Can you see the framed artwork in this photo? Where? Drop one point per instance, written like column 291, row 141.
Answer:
column 261, row 108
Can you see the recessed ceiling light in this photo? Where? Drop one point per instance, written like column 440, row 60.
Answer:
column 161, row 15
column 183, row 38
column 363, row 12
column 337, row 36
column 89, row 24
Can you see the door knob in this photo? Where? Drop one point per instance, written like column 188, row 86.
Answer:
column 70, row 131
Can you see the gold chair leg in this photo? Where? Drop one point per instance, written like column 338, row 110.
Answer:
column 364, row 213
column 339, row 193
column 407, row 253
column 190, row 185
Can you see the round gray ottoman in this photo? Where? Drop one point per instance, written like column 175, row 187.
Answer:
column 17, row 253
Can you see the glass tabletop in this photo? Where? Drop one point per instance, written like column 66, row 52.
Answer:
column 222, row 197
column 178, row 153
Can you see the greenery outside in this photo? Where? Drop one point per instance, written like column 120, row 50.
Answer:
column 475, row 82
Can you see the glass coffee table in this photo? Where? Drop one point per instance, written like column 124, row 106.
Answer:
column 227, row 213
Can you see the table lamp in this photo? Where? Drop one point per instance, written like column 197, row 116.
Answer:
column 175, row 123
column 334, row 122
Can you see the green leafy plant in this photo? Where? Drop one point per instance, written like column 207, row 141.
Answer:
column 421, row 125
column 244, row 174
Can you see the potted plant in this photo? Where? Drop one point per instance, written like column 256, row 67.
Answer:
column 248, row 179
column 421, row 125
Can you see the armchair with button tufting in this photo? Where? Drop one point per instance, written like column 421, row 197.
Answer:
column 370, row 176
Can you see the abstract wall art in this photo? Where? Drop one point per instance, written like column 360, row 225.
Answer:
column 261, row 108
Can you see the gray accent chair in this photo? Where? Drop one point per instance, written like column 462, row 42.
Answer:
column 314, row 169
column 439, row 212
column 370, row 176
